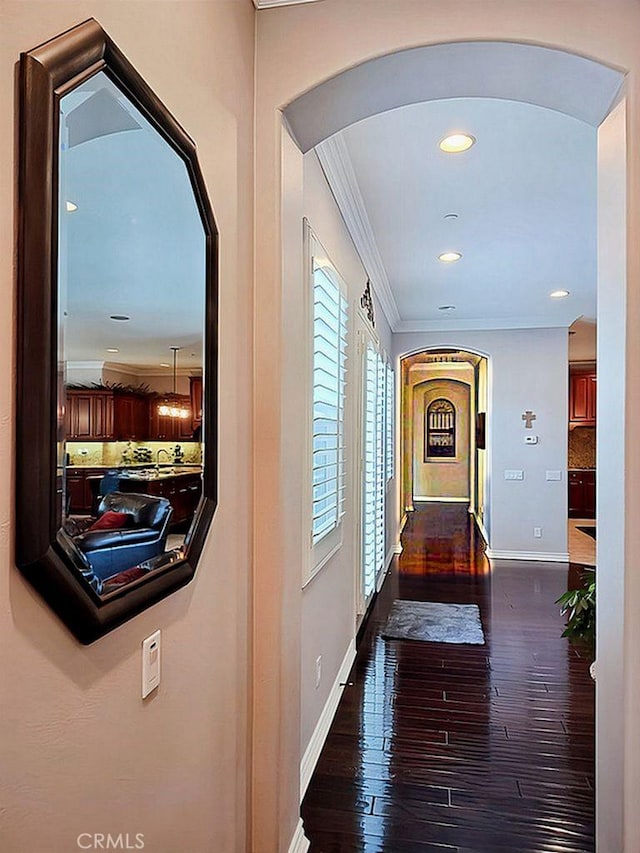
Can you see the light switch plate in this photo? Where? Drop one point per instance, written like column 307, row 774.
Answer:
column 554, row 475
column 150, row 664
column 514, row 475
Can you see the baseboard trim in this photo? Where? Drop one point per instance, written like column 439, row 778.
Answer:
column 314, row 748
column 299, row 842
column 537, row 556
column 427, row 499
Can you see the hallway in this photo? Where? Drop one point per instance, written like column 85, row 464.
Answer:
column 441, row 748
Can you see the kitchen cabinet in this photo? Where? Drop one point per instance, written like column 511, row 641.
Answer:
column 582, row 493
column 195, row 385
column 131, row 417
column 183, row 491
column 79, row 492
column 166, row 428
column 89, row 415
column 582, row 398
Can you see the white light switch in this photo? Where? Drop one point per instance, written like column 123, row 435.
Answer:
column 150, row 663
column 514, row 475
column 554, row 475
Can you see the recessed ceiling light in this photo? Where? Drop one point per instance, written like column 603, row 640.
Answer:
column 112, row 349
column 446, row 307
column 559, row 294
column 121, row 317
column 457, row 142
column 449, row 257
column 450, row 216
column 70, row 206
column 164, row 364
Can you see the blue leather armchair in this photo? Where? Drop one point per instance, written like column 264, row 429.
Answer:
column 109, row 552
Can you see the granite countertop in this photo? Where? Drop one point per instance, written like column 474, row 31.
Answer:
column 150, row 473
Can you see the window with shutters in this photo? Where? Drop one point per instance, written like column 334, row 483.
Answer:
column 374, row 474
column 329, row 364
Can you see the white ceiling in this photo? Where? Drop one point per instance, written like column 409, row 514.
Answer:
column 525, row 196
column 135, row 245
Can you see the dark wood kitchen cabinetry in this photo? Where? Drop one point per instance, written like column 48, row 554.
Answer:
column 582, row 494
column 182, row 490
column 89, row 415
column 166, row 428
column 195, row 386
column 79, row 493
column 582, row 397
column 131, row 417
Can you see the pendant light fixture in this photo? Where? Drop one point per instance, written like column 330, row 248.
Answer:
column 171, row 404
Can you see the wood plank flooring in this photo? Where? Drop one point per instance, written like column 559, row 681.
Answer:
column 440, row 748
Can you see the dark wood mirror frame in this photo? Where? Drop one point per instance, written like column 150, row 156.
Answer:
column 47, row 73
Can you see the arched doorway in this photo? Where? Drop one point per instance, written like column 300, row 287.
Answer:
column 290, row 279
column 443, row 434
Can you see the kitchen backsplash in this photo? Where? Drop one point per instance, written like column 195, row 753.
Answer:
column 113, row 452
column 582, row 447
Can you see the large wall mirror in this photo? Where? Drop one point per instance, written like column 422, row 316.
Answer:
column 117, row 347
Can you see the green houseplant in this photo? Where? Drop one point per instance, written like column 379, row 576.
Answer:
column 579, row 607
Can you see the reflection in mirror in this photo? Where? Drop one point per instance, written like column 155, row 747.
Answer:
column 131, row 318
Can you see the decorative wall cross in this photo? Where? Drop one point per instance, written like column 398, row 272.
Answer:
column 367, row 303
column 528, row 418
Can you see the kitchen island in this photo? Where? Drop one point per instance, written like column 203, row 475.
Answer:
column 180, row 484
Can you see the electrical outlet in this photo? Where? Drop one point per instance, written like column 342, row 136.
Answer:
column 537, row 532
column 318, row 671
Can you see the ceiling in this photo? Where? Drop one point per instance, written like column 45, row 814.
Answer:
column 525, row 200
column 134, row 245
column 524, row 195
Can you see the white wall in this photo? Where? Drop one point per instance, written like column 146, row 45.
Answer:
column 617, row 589
column 528, row 371
column 80, row 750
column 328, row 600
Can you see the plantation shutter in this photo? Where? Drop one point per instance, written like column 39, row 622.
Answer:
column 329, row 361
column 370, row 492
column 390, row 398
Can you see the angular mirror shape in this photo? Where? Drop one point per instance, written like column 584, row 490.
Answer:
column 117, row 391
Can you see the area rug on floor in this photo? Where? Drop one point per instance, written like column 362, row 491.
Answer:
column 590, row 531
column 434, row 623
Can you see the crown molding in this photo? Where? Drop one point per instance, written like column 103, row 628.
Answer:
column 480, row 325
column 271, row 4
column 334, row 158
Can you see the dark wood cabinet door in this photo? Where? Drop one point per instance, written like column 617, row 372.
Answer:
column 165, row 428
column 81, row 416
column 582, row 494
column 89, row 415
column 102, row 413
column 195, row 383
column 582, row 399
column 75, row 493
column 130, row 417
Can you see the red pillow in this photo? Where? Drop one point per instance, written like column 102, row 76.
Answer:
column 111, row 520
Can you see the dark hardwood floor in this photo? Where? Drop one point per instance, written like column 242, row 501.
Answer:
column 440, row 748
